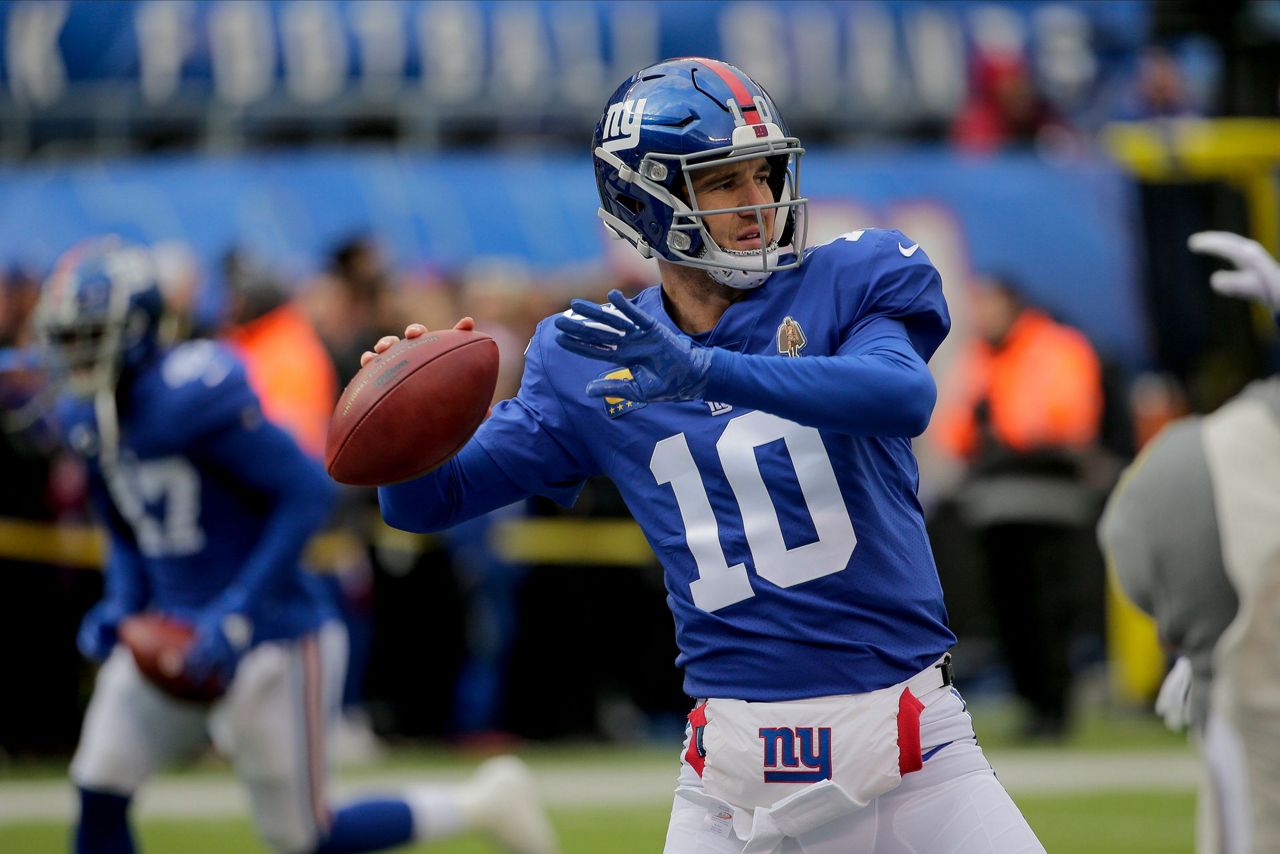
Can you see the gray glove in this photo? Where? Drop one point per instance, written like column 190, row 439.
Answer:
column 1257, row 275
column 1174, row 701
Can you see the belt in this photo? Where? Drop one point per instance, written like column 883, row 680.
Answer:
column 938, row 675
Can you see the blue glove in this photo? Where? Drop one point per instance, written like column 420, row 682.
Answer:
column 665, row 365
column 221, row 638
column 98, row 630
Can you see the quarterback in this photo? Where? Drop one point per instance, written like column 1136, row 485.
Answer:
column 756, row 410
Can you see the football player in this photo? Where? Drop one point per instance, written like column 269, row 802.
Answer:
column 208, row 506
column 756, row 409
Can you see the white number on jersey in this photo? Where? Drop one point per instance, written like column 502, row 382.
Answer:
column 718, row 584
column 173, row 484
column 195, row 360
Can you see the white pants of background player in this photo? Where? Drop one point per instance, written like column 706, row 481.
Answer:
column 953, row 805
column 271, row 724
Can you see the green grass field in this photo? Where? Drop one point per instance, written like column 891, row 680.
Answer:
column 1087, row 820
column 1100, row 823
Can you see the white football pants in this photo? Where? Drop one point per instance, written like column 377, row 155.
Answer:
column 953, row 805
column 271, row 724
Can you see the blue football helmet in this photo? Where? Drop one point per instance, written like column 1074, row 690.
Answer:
column 672, row 119
column 99, row 313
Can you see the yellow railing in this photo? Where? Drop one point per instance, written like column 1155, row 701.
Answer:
column 571, row 541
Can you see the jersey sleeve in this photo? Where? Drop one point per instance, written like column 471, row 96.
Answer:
column 468, row 485
column 125, row 580
column 264, row 460
column 532, row 437
column 885, row 274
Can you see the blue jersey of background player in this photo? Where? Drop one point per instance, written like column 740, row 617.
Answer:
column 209, row 506
column 755, row 410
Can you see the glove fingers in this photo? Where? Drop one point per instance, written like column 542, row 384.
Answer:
column 625, row 389
column 592, row 311
column 1224, row 244
column 582, row 348
column 1237, row 283
column 635, row 315
column 582, row 331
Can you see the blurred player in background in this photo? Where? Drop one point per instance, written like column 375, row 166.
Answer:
column 208, row 505
column 1192, row 534
column 756, row 409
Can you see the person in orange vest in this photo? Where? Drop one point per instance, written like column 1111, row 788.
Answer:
column 1023, row 409
column 287, row 364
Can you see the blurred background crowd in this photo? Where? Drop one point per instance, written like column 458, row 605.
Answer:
column 313, row 175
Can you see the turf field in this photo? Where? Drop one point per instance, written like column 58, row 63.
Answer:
column 1100, row 823
column 1121, row 784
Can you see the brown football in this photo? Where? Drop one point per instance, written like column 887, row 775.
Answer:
column 159, row 644
column 412, row 408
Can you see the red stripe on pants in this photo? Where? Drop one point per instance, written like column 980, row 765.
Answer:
column 909, row 709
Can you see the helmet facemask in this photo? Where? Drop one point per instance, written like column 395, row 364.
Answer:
column 689, row 241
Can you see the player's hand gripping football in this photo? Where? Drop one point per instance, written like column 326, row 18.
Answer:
column 221, row 637
column 413, row 330
column 1257, row 275
column 665, row 365
column 99, row 630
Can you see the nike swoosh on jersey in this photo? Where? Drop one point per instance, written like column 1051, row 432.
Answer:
column 908, row 251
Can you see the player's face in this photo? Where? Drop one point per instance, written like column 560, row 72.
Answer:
column 78, row 350
column 736, row 185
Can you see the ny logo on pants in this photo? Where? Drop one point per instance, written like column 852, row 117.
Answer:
column 780, row 749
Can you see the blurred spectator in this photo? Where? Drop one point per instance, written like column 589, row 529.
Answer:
column 39, row 605
column 178, row 273
column 19, row 291
column 353, row 304
column 286, row 360
column 1155, row 400
column 1160, row 89
column 1004, row 107
column 1023, row 405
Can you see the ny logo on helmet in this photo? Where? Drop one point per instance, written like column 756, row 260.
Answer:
column 623, row 122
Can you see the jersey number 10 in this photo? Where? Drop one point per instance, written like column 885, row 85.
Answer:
column 718, row 584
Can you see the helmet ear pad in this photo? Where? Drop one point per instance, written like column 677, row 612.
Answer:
column 784, row 230
column 652, row 214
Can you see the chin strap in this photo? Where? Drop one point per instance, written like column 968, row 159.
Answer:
column 741, row 280
column 744, row 280
column 104, row 408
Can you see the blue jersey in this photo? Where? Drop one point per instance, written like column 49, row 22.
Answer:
column 796, row 560
column 205, row 495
